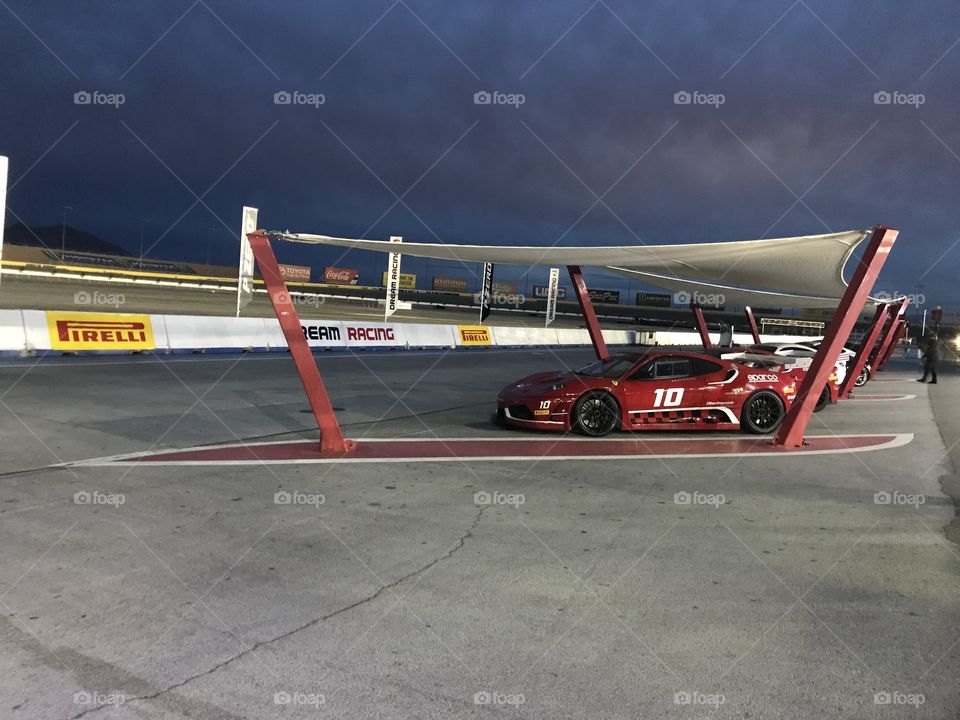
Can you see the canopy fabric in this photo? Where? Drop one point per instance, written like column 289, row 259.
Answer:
column 802, row 271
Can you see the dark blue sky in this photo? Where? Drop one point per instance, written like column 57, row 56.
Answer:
column 798, row 145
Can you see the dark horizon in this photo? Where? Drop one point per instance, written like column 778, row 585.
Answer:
column 707, row 122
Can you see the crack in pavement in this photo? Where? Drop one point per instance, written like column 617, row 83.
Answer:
column 316, row 621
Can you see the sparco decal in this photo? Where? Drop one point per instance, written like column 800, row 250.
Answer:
column 321, row 332
column 762, row 378
column 370, row 334
column 99, row 331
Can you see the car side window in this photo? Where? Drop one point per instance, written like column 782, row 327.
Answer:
column 647, row 371
column 701, row 366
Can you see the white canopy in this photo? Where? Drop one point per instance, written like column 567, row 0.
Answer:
column 802, row 272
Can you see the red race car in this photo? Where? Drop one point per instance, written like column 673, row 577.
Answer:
column 659, row 389
column 794, row 365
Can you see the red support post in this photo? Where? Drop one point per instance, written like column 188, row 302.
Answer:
column 701, row 325
column 752, row 323
column 897, row 336
column 884, row 348
column 851, row 304
column 586, row 307
column 866, row 348
column 331, row 440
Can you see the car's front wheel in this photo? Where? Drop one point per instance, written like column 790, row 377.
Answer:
column 596, row 413
column 762, row 413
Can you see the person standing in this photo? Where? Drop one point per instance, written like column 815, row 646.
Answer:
column 931, row 356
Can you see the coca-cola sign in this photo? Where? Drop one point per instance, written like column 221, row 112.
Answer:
column 340, row 276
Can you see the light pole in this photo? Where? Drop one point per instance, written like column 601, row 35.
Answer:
column 143, row 225
column 63, row 229
column 210, row 230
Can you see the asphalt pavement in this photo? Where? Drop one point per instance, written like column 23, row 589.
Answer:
column 813, row 587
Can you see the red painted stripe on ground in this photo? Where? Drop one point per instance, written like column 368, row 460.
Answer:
column 494, row 449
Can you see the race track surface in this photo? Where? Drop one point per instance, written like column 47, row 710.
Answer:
column 545, row 588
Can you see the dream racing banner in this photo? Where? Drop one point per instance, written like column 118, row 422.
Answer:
column 99, row 331
column 393, row 281
column 552, row 286
column 245, row 276
column 486, row 291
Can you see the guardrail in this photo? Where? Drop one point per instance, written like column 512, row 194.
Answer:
column 29, row 332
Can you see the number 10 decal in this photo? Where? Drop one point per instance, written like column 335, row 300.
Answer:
column 671, row 397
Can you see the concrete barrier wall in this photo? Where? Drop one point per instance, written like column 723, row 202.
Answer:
column 29, row 331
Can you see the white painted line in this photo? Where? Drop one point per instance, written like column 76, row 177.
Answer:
column 875, row 398
column 898, row 440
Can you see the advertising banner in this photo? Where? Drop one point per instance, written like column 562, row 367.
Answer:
column 99, row 331
column 501, row 287
column 341, row 276
column 295, row 273
column 408, row 281
column 393, row 281
column 486, row 290
column 448, row 284
column 323, row 333
column 361, row 334
column 608, row 297
column 245, row 276
column 654, row 299
column 542, row 292
column 473, row 334
column 552, row 295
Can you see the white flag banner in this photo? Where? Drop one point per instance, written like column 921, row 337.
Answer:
column 553, row 288
column 393, row 281
column 3, row 200
column 486, row 291
column 245, row 276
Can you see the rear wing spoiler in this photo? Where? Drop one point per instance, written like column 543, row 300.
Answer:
column 766, row 362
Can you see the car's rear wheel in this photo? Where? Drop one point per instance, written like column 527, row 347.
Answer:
column 596, row 413
column 862, row 378
column 762, row 413
column 823, row 400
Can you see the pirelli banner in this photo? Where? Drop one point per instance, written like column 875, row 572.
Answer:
column 73, row 331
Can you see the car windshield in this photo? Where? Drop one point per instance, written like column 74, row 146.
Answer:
column 611, row 368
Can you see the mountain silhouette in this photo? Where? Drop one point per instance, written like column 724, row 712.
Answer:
column 52, row 237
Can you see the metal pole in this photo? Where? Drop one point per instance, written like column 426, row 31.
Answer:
column 701, row 324
column 866, row 347
column 331, row 439
column 851, row 304
column 901, row 329
column 589, row 315
column 891, row 331
column 752, row 323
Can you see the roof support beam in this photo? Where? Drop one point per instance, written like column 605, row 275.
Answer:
column 586, row 307
column 752, row 323
column 851, row 304
column 701, row 325
column 331, row 439
column 888, row 336
column 897, row 336
column 866, row 348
